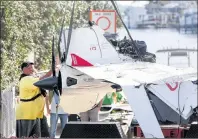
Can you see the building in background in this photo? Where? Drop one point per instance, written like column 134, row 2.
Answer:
column 134, row 16
column 163, row 14
column 188, row 21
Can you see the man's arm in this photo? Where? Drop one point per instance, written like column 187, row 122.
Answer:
column 47, row 104
column 48, row 74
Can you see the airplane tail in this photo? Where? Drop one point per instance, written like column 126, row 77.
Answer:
column 90, row 48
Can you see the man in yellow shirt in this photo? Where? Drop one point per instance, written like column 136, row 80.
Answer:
column 30, row 109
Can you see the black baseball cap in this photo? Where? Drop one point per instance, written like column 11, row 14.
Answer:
column 25, row 64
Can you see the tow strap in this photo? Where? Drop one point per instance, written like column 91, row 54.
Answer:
column 31, row 99
column 132, row 41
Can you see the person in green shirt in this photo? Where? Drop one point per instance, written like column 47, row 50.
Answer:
column 115, row 97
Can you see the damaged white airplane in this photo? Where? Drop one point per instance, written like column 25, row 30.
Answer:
column 90, row 67
column 93, row 66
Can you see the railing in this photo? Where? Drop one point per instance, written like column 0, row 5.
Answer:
column 8, row 120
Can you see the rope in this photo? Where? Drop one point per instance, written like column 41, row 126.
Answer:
column 132, row 41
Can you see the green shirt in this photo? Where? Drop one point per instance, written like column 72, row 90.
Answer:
column 108, row 99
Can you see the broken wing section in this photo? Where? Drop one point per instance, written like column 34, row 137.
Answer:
column 180, row 96
column 143, row 110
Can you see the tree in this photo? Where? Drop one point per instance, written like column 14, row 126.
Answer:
column 30, row 26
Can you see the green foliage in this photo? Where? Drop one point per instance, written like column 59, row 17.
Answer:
column 30, row 25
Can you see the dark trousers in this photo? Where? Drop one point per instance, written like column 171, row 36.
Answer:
column 32, row 128
column 28, row 128
column 44, row 127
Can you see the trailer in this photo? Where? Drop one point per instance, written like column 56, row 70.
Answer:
column 172, row 131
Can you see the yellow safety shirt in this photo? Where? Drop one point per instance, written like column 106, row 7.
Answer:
column 32, row 109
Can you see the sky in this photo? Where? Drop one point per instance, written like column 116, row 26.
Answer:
column 133, row 3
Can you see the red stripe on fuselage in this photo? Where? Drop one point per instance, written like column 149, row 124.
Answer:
column 78, row 61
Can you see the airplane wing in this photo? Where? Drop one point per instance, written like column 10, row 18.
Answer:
column 132, row 76
column 136, row 73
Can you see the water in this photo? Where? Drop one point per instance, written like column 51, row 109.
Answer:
column 166, row 38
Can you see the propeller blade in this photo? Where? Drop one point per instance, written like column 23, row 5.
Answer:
column 60, row 35
column 53, row 59
column 47, row 83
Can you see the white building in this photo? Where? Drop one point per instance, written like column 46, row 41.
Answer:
column 135, row 15
column 189, row 17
